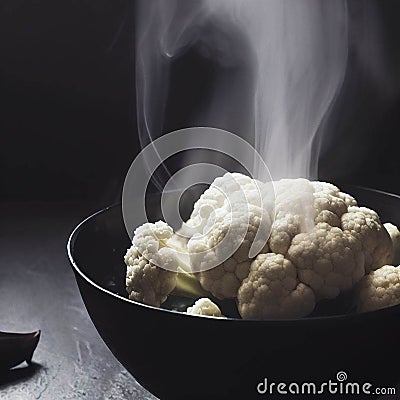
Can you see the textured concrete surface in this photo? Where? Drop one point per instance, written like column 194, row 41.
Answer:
column 38, row 291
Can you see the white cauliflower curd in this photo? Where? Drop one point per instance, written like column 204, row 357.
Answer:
column 395, row 236
column 154, row 270
column 205, row 306
column 379, row 289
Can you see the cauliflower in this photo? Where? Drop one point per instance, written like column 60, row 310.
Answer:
column 273, row 283
column 275, row 249
column 228, row 221
column 329, row 241
column 205, row 306
column 154, row 269
column 395, row 236
column 379, row 289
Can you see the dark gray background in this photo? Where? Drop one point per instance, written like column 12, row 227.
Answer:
column 67, row 116
column 68, row 136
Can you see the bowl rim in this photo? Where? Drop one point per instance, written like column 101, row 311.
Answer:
column 304, row 320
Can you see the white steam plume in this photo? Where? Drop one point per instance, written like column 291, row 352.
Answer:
column 296, row 55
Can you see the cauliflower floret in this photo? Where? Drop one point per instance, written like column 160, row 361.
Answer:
column 328, row 260
column 300, row 205
column 151, row 241
column 284, row 230
column 394, row 234
column 205, row 306
column 379, row 289
column 272, row 290
column 157, row 265
column 294, row 212
column 151, row 266
column 216, row 196
column 229, row 254
column 364, row 224
column 145, row 282
column 234, row 223
column 344, row 243
column 330, row 203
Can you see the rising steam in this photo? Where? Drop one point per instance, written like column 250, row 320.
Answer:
column 291, row 59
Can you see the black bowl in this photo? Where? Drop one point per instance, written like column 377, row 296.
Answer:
column 177, row 356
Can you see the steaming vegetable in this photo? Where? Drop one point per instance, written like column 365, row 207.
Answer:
column 275, row 253
column 379, row 289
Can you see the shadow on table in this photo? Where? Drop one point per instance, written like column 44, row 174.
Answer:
column 18, row 374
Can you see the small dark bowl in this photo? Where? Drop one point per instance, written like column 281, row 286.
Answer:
column 177, row 356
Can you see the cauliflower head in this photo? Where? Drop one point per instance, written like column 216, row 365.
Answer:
column 328, row 260
column 276, row 249
column 379, row 289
